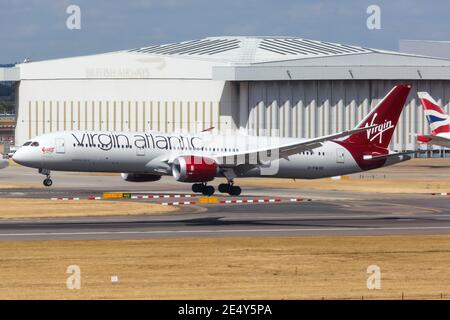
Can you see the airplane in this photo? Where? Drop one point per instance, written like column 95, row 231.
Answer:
column 438, row 120
column 200, row 158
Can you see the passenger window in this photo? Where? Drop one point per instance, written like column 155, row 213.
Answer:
column 35, row 144
column 26, row 143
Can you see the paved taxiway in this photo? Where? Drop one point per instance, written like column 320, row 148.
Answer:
column 394, row 215
column 330, row 212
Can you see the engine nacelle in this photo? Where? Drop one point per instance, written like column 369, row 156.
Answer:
column 140, row 177
column 194, row 169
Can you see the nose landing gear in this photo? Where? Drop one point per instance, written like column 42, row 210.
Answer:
column 47, row 181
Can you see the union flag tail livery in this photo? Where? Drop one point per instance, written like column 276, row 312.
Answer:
column 438, row 120
column 384, row 117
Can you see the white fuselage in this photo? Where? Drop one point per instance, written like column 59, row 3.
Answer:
column 153, row 152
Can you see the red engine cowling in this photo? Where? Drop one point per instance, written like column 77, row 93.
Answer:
column 194, row 169
column 140, row 177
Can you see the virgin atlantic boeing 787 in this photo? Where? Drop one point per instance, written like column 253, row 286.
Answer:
column 199, row 158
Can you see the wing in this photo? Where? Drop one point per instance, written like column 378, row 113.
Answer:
column 263, row 155
column 435, row 140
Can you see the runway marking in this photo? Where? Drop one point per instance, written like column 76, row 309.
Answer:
column 176, row 203
column 250, row 201
column 158, row 196
column 37, row 234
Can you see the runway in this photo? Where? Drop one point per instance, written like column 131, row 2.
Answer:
column 329, row 213
column 347, row 217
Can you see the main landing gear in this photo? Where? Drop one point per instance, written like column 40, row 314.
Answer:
column 230, row 188
column 207, row 190
column 203, row 188
column 47, row 181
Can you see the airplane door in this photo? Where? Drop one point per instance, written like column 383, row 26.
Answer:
column 60, row 145
column 140, row 151
column 340, row 155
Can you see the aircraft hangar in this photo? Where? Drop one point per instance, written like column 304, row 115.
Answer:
column 282, row 86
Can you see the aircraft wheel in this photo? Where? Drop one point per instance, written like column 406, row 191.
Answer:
column 208, row 190
column 224, row 188
column 235, row 191
column 197, row 188
column 48, row 182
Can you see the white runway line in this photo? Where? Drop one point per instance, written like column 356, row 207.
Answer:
column 36, row 234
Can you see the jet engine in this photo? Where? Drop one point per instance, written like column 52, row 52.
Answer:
column 140, row 177
column 194, row 169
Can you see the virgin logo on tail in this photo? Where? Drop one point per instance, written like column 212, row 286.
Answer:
column 377, row 132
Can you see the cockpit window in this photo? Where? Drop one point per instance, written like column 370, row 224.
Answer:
column 35, row 144
column 26, row 143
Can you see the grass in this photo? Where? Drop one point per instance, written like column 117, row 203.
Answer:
column 365, row 185
column 11, row 208
column 228, row 268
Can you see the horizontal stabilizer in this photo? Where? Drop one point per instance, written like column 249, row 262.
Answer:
column 386, row 156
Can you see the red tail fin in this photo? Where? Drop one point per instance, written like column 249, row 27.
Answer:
column 385, row 116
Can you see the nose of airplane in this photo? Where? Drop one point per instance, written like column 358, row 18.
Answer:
column 20, row 156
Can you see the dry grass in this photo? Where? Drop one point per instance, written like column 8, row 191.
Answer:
column 8, row 185
column 222, row 268
column 38, row 208
column 365, row 185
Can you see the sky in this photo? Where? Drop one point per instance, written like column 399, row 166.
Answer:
column 37, row 29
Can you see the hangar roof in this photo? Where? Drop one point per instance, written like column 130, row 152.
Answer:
column 240, row 59
column 249, row 50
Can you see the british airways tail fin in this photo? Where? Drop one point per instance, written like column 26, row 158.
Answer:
column 437, row 118
column 384, row 117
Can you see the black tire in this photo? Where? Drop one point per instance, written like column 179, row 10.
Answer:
column 48, row 182
column 208, row 190
column 224, row 188
column 235, row 191
column 197, row 188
